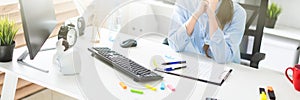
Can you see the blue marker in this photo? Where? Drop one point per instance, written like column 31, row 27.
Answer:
column 162, row 86
column 172, row 63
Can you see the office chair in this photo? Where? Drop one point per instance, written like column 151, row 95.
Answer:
column 255, row 57
column 257, row 33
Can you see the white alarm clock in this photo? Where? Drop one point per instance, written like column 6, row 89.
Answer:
column 69, row 34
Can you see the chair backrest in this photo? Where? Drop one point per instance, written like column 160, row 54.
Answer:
column 255, row 56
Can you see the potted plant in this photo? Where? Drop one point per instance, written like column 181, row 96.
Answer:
column 272, row 14
column 8, row 30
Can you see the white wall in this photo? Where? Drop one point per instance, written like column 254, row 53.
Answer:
column 3, row 2
column 280, row 52
column 290, row 13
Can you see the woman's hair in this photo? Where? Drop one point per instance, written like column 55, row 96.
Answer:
column 225, row 13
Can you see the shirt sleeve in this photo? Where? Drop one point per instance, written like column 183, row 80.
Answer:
column 224, row 45
column 178, row 37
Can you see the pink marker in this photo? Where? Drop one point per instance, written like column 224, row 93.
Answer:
column 171, row 87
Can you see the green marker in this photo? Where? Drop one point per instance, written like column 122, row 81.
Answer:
column 136, row 91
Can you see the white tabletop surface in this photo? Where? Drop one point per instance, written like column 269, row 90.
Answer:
column 52, row 80
column 242, row 84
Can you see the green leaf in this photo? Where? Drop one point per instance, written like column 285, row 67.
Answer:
column 273, row 11
column 8, row 31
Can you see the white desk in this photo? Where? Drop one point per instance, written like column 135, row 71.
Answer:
column 52, row 80
column 242, row 84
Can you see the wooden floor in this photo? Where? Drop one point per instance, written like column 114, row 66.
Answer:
column 64, row 9
column 24, row 88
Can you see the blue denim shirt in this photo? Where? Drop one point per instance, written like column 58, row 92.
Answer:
column 224, row 44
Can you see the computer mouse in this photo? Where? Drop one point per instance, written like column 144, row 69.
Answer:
column 128, row 43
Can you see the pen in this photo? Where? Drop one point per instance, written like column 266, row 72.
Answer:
column 206, row 81
column 197, row 79
column 172, row 69
column 176, row 62
column 179, row 68
column 223, row 80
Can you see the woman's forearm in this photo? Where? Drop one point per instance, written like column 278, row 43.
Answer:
column 190, row 24
column 213, row 23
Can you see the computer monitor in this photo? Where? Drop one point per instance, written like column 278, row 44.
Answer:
column 38, row 19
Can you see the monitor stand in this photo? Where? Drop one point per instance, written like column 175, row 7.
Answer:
column 25, row 54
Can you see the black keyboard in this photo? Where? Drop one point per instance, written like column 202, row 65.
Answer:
column 125, row 65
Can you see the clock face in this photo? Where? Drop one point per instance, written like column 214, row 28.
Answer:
column 72, row 37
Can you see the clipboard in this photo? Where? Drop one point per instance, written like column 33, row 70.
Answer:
column 197, row 79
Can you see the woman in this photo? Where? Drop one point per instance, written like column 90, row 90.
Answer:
column 210, row 27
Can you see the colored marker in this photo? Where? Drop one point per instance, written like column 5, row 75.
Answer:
column 162, row 86
column 171, row 87
column 172, row 63
column 136, row 91
column 150, row 87
column 123, row 85
column 271, row 93
column 172, row 69
column 262, row 94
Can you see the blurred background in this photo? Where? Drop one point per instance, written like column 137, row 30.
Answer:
column 280, row 44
